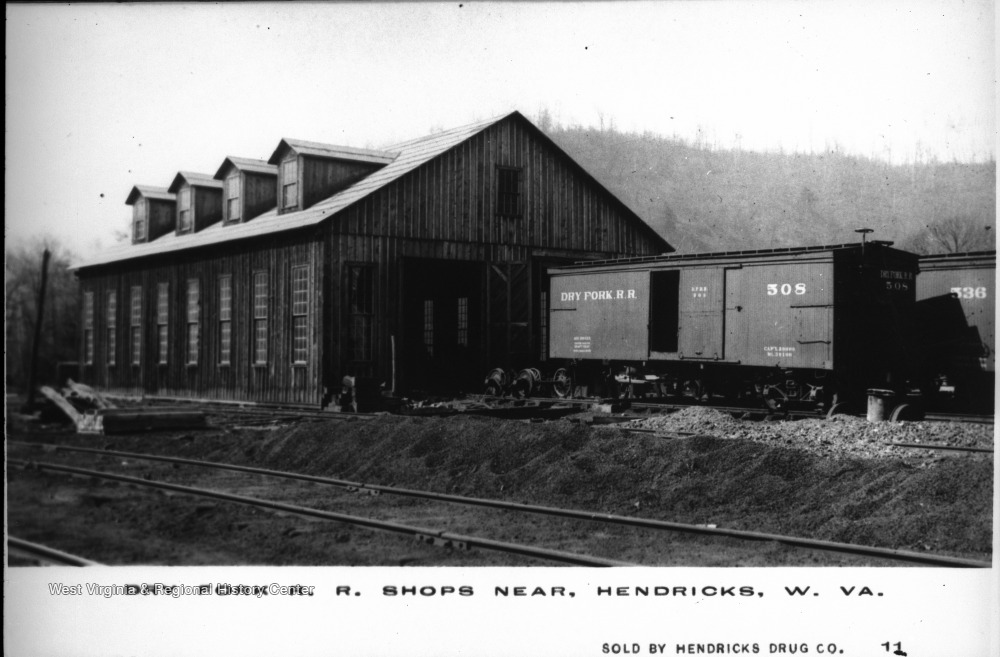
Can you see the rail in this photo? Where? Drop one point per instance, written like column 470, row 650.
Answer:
column 646, row 523
column 446, row 539
column 960, row 417
column 952, row 448
column 41, row 552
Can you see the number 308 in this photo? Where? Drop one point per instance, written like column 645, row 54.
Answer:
column 785, row 289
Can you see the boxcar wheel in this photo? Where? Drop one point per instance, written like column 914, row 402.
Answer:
column 496, row 382
column 692, row 388
column 562, row 383
column 775, row 398
column 838, row 408
column 906, row 413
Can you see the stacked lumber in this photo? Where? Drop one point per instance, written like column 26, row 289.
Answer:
column 136, row 420
column 103, row 418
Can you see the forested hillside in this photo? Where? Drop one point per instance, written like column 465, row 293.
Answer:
column 705, row 199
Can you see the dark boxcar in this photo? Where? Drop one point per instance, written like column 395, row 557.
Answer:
column 956, row 316
column 809, row 324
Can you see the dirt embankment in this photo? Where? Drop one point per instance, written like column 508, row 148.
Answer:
column 773, row 477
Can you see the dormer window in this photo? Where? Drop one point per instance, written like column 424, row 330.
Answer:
column 184, row 210
column 139, row 222
column 199, row 201
column 233, row 197
column 153, row 213
column 309, row 172
column 290, row 183
column 248, row 188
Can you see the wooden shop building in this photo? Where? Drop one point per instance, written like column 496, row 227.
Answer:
column 422, row 265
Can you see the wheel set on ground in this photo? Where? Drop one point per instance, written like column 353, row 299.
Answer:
column 528, row 382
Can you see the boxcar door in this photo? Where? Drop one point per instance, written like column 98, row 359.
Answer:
column 702, row 295
column 737, row 319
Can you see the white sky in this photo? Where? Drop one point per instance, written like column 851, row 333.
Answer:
column 102, row 97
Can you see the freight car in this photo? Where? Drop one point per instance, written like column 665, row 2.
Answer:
column 816, row 326
column 956, row 319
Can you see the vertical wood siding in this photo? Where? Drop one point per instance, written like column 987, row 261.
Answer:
column 278, row 381
column 162, row 217
column 446, row 209
column 206, row 203
column 322, row 178
column 454, row 198
column 260, row 194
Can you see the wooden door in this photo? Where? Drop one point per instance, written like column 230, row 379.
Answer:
column 701, row 314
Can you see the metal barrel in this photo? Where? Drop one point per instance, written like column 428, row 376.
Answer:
column 879, row 403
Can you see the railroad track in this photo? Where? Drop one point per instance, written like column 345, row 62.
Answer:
column 640, row 407
column 643, row 523
column 423, row 535
column 960, row 417
column 947, row 448
column 539, row 408
column 281, row 414
column 42, row 554
column 241, row 409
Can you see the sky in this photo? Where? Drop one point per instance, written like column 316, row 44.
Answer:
column 102, row 97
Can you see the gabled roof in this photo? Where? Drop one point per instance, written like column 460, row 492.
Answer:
column 148, row 191
column 411, row 155
column 195, row 180
column 330, row 151
column 246, row 164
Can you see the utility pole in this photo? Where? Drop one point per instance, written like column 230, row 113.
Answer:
column 39, row 315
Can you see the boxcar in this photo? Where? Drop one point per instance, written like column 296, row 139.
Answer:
column 813, row 324
column 956, row 316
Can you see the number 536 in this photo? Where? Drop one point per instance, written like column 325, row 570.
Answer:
column 969, row 292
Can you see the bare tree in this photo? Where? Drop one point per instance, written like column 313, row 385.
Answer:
column 61, row 319
column 544, row 120
column 953, row 234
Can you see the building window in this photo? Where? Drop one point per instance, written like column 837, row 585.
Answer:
column 88, row 328
column 429, row 326
column 139, row 228
column 225, row 319
column 463, row 322
column 361, row 306
column 112, row 326
column 135, row 324
column 260, row 318
column 289, row 183
column 162, row 315
column 184, row 210
column 300, row 314
column 193, row 293
column 233, row 197
column 509, row 192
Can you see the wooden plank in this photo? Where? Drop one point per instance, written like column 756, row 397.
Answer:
column 86, row 392
column 61, row 403
column 140, row 420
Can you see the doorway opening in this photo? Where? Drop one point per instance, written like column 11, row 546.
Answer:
column 442, row 325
